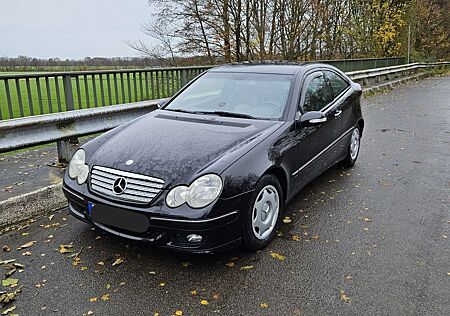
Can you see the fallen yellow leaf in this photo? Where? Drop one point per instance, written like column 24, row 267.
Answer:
column 105, row 297
column 263, row 305
column 296, row 237
column 93, row 299
column 230, row 264
column 162, row 284
column 117, row 262
column 277, row 256
column 194, row 292
column 8, row 310
column 204, row 302
column 247, row 267
column 179, row 313
column 65, row 248
column 287, row 220
column 344, row 297
column 367, row 220
column 28, row 244
column 216, row 296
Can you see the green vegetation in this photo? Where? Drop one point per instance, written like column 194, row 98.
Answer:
column 134, row 88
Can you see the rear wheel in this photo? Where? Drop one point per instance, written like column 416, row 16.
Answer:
column 261, row 219
column 353, row 148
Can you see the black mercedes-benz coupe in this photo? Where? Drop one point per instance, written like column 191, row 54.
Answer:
column 213, row 167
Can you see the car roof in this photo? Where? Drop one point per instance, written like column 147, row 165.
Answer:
column 285, row 68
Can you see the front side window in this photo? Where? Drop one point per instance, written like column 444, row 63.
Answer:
column 317, row 95
column 338, row 84
column 252, row 95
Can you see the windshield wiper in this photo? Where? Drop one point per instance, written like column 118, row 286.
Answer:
column 219, row 113
column 184, row 111
column 231, row 114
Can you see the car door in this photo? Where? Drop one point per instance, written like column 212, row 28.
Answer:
column 315, row 143
column 342, row 104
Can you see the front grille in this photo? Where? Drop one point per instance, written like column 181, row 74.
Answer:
column 139, row 188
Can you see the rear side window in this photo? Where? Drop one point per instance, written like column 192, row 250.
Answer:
column 318, row 94
column 338, row 84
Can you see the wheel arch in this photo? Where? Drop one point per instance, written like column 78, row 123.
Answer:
column 281, row 176
column 361, row 126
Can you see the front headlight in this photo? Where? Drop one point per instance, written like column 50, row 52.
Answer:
column 77, row 167
column 202, row 192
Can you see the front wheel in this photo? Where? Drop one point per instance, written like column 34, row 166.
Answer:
column 262, row 218
column 353, row 148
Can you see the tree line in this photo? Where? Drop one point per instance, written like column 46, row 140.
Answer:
column 237, row 30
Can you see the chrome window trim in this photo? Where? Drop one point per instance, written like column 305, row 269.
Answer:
column 324, row 150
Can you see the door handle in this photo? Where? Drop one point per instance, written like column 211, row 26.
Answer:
column 337, row 113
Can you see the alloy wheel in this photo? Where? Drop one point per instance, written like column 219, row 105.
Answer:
column 265, row 212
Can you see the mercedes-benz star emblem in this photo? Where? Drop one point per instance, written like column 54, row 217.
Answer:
column 119, row 186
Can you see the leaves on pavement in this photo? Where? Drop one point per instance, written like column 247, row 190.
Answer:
column 263, row 305
column 287, row 220
column 9, row 282
column 247, row 267
column 278, row 256
column 6, row 297
column 105, row 297
column 65, row 248
column 343, row 296
column 8, row 310
column 8, row 261
column 28, row 244
column 117, row 262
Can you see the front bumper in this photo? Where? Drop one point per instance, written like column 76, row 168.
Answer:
column 218, row 233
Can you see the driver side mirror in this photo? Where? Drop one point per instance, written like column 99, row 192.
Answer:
column 312, row 118
column 162, row 102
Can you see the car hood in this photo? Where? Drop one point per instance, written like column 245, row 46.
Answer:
column 177, row 147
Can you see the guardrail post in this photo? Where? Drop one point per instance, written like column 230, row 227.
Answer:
column 66, row 147
column 68, row 94
column 183, row 78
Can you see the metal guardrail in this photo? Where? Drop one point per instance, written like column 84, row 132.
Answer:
column 61, row 127
column 30, row 94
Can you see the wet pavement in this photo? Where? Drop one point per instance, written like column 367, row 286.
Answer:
column 370, row 240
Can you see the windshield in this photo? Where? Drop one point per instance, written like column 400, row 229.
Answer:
column 247, row 95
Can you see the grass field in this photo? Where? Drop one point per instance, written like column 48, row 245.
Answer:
column 87, row 93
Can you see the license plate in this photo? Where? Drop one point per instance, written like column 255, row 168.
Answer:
column 90, row 206
column 119, row 218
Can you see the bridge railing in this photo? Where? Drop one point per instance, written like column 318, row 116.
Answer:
column 61, row 127
column 30, row 94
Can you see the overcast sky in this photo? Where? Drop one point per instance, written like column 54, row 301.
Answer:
column 70, row 29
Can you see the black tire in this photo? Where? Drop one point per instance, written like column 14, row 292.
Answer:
column 350, row 161
column 250, row 241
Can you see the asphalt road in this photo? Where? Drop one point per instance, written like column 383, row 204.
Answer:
column 368, row 241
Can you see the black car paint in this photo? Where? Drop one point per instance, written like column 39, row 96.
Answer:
column 179, row 147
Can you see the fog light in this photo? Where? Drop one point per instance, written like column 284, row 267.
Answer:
column 193, row 238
